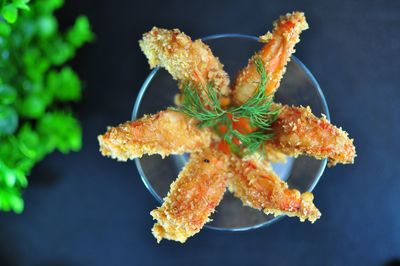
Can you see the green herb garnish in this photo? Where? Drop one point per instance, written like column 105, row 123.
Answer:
column 209, row 112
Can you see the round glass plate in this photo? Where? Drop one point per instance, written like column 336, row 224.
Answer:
column 298, row 87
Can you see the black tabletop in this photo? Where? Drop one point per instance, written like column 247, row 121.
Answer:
column 84, row 209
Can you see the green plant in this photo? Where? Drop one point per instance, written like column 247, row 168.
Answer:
column 9, row 9
column 35, row 84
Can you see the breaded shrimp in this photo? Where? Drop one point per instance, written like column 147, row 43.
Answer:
column 192, row 197
column 274, row 155
column 257, row 185
column 297, row 131
column 184, row 59
column 167, row 132
column 275, row 54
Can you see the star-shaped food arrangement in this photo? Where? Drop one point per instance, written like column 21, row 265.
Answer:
column 233, row 131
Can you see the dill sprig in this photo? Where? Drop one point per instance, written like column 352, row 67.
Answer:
column 206, row 110
column 209, row 112
column 257, row 107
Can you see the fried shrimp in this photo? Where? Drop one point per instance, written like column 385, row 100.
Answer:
column 274, row 155
column 184, row 59
column 297, row 131
column 167, row 132
column 257, row 185
column 232, row 137
column 275, row 54
column 192, row 197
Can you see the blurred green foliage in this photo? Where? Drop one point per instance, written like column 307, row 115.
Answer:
column 9, row 9
column 34, row 82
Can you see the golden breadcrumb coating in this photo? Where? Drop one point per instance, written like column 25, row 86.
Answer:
column 257, row 185
column 297, row 131
column 192, row 197
column 275, row 54
column 184, row 59
column 167, row 132
column 274, row 155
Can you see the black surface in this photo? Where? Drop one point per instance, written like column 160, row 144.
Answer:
column 83, row 209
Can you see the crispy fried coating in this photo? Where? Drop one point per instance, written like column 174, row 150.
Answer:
column 275, row 54
column 257, row 185
column 184, row 59
column 192, row 197
column 167, row 132
column 274, row 155
column 297, row 131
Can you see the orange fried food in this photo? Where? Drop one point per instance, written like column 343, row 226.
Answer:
column 192, row 197
column 297, row 131
column 273, row 154
column 184, row 59
column 275, row 54
column 257, row 185
column 167, row 132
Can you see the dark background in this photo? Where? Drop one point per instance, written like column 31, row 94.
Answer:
column 83, row 209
